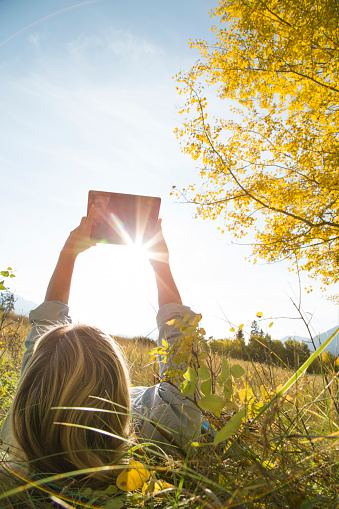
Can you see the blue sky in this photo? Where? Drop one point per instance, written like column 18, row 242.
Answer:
column 88, row 101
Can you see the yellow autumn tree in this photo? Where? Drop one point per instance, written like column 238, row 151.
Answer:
column 269, row 159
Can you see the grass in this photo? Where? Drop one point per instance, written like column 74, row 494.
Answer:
column 286, row 458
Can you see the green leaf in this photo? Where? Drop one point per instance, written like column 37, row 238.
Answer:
column 227, row 393
column 2, row 287
column 228, row 385
column 237, row 371
column 225, row 369
column 191, row 375
column 184, row 387
column 192, row 386
column 231, row 427
column 203, row 372
column 115, row 503
column 232, row 405
column 4, row 273
column 187, row 387
column 212, row 403
column 9, row 268
column 185, row 390
column 12, row 275
column 206, row 387
column 111, row 489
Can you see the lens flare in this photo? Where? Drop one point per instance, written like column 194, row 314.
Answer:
column 118, row 226
column 141, row 242
column 137, row 245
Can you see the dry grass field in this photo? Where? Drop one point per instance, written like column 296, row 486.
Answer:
column 286, row 458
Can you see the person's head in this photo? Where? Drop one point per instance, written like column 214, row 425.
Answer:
column 73, row 366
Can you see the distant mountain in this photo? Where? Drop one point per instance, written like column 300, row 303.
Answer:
column 297, row 338
column 23, row 306
column 333, row 347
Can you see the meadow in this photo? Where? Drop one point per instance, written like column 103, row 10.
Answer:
column 282, row 451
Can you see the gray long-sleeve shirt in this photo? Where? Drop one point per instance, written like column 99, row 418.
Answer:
column 161, row 413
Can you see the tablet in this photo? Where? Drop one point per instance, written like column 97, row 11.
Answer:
column 123, row 218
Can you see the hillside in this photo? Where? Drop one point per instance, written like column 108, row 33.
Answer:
column 333, row 347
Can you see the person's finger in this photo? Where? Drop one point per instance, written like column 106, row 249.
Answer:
column 91, row 212
column 82, row 222
column 157, row 226
column 89, row 220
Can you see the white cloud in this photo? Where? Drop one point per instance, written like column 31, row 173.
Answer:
column 112, row 43
column 34, row 39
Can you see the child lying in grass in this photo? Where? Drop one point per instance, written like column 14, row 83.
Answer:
column 73, row 405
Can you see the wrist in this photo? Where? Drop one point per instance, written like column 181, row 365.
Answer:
column 67, row 256
column 160, row 266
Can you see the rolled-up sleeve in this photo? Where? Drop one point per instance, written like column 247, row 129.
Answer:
column 44, row 317
column 163, row 407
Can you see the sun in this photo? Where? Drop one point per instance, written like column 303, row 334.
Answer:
column 139, row 249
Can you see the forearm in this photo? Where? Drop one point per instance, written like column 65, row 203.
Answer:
column 60, row 284
column 167, row 289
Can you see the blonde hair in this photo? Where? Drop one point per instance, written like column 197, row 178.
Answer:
column 73, row 366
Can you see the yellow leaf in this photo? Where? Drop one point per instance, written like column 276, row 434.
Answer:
column 156, row 487
column 232, row 330
column 172, row 322
column 132, row 478
column 259, row 314
column 268, row 465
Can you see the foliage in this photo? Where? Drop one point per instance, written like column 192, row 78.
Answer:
column 13, row 330
column 7, row 302
column 263, row 349
column 270, row 164
column 201, row 381
column 6, row 273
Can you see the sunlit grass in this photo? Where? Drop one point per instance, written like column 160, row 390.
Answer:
column 287, row 458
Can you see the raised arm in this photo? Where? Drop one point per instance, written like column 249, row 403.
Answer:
column 77, row 242
column 159, row 258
